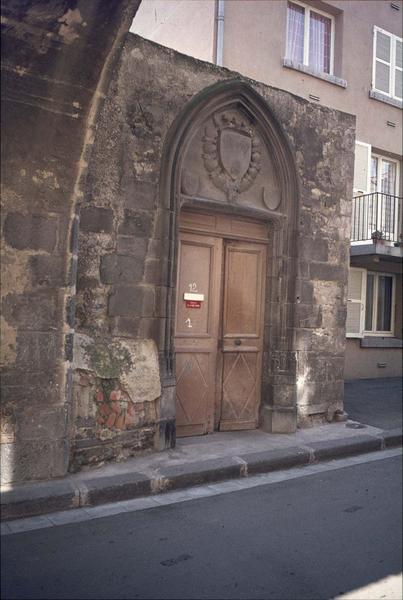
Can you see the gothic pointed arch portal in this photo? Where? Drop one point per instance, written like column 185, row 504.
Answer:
column 228, row 182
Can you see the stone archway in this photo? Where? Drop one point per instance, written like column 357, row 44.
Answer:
column 226, row 153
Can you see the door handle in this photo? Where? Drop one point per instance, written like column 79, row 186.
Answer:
column 238, row 342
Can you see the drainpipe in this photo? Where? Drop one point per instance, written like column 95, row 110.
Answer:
column 220, row 33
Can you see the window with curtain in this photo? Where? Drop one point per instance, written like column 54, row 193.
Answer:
column 387, row 64
column 379, row 303
column 370, row 303
column 309, row 37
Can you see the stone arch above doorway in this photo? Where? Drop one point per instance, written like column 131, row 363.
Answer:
column 227, row 153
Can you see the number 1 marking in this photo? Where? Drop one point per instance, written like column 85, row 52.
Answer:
column 188, row 323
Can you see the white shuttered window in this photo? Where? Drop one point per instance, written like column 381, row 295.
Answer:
column 356, row 303
column 387, row 64
column 362, row 167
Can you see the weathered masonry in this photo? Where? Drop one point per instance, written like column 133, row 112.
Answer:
column 213, row 259
column 212, row 255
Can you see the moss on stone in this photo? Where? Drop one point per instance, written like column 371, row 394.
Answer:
column 108, row 359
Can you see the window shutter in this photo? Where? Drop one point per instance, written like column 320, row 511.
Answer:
column 398, row 69
column 383, row 59
column 362, row 161
column 356, row 303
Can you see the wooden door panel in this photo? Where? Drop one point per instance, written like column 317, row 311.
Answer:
column 193, row 373
column 196, row 264
column 242, row 334
column 240, row 390
column 241, row 314
column 196, row 335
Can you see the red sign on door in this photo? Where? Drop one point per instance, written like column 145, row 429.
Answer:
column 193, row 303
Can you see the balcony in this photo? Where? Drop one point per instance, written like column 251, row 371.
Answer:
column 376, row 226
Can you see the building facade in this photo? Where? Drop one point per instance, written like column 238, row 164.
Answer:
column 348, row 56
column 176, row 234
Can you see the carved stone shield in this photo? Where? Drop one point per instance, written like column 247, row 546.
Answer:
column 235, row 149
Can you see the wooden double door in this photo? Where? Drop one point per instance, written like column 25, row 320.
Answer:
column 219, row 323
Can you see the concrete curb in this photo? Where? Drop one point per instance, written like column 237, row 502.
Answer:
column 73, row 492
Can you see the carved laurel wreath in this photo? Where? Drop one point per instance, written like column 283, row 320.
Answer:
column 213, row 163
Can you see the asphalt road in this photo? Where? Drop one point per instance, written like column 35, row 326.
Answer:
column 318, row 536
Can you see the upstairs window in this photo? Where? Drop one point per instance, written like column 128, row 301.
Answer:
column 383, row 175
column 387, row 64
column 310, row 36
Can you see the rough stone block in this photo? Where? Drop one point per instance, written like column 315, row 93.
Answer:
column 38, row 350
column 151, row 329
column 327, row 272
column 132, row 246
column 309, row 316
column 305, row 292
column 136, row 223
column 126, row 327
column 84, row 282
column 31, row 311
column 155, row 271
column 279, row 419
column 314, row 249
column 42, row 423
column 126, row 301
column 48, row 270
column 282, row 395
column 96, row 219
column 120, row 269
column 32, row 231
column 158, row 247
column 143, row 195
column 34, row 459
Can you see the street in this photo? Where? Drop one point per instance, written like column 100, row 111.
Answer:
column 321, row 535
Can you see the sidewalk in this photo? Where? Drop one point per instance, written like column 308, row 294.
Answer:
column 375, row 423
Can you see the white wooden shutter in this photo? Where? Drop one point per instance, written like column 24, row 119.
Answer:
column 398, row 91
column 356, row 303
column 382, row 61
column 362, row 168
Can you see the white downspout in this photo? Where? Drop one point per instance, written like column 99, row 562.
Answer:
column 220, row 33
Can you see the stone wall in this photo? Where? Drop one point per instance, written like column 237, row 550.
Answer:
column 57, row 60
column 126, row 266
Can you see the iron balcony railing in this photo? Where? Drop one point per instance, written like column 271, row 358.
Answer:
column 376, row 216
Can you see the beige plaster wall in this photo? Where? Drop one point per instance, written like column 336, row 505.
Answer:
column 362, row 363
column 185, row 25
column 255, row 45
